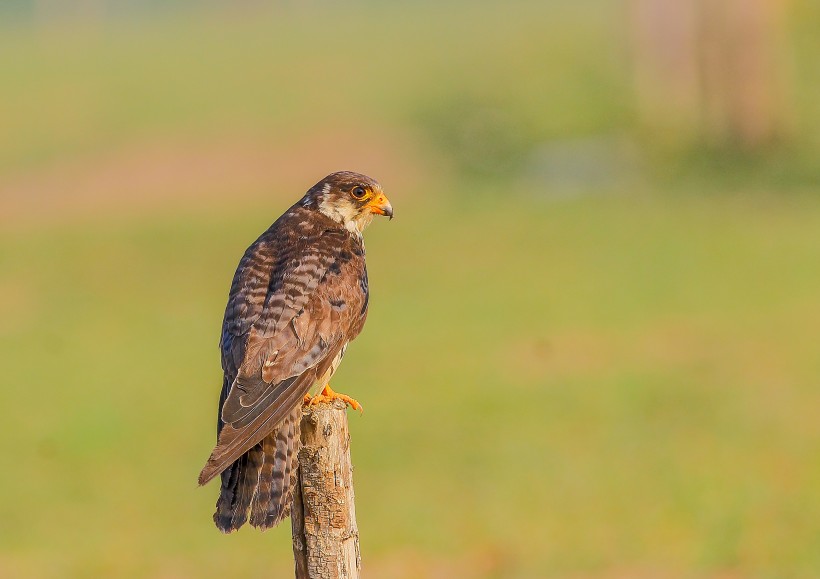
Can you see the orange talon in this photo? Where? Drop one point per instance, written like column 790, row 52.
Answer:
column 328, row 395
column 306, row 399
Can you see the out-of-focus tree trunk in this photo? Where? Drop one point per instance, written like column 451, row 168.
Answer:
column 712, row 70
column 667, row 71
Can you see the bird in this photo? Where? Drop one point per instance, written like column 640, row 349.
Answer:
column 298, row 298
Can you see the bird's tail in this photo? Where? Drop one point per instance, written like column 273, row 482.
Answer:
column 261, row 482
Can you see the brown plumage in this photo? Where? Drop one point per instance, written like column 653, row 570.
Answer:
column 298, row 297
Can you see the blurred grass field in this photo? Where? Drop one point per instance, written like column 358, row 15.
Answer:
column 607, row 378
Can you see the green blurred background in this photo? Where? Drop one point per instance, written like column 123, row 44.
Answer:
column 594, row 339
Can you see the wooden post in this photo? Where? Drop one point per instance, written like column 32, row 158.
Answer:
column 323, row 516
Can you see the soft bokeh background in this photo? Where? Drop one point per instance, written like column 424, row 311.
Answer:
column 594, row 340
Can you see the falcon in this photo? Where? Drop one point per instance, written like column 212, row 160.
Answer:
column 299, row 296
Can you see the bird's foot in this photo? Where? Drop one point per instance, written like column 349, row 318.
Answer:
column 328, row 395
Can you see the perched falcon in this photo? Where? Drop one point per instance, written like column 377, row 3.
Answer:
column 298, row 297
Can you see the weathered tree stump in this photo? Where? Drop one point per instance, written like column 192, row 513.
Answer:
column 323, row 516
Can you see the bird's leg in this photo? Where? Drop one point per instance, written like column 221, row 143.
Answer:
column 328, row 395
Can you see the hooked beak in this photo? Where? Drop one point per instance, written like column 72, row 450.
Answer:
column 381, row 206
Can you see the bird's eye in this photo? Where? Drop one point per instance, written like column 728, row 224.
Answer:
column 358, row 192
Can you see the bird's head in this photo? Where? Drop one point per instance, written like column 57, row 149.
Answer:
column 350, row 199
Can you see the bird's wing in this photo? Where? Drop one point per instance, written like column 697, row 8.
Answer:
column 281, row 333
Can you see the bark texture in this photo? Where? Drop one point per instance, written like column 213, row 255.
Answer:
column 325, row 535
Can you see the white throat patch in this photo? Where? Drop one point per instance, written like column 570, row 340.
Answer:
column 346, row 214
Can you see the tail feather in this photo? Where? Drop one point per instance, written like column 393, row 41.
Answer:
column 274, row 495
column 227, row 496
column 239, row 483
column 260, row 483
column 262, row 498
